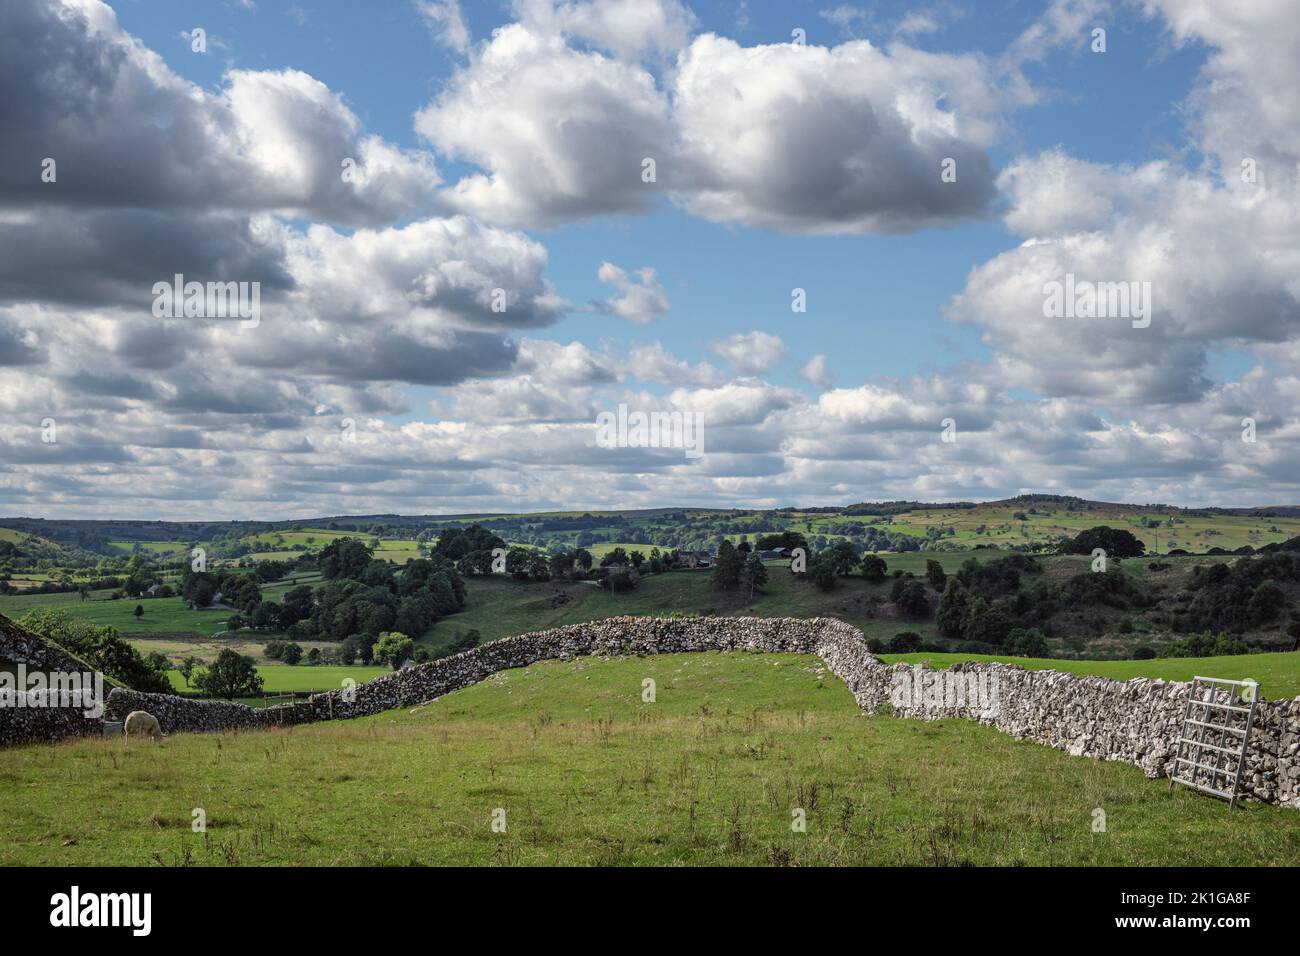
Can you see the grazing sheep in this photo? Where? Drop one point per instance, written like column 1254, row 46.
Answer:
column 140, row 723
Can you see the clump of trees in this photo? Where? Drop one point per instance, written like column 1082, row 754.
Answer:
column 231, row 675
column 1240, row 597
column 286, row 652
column 394, row 649
column 1207, row 645
column 360, row 598
column 1116, row 542
column 100, row 646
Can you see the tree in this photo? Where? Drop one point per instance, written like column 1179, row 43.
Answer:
column 935, row 574
column 985, row 624
column 266, row 616
column 139, row 611
column 519, row 563
column 344, row 558
column 821, row 570
column 754, row 574
column 393, row 648
column 622, row 580
column 1116, row 542
column 199, row 589
column 456, row 543
column 727, row 566
column 843, row 557
column 874, row 568
column 231, row 675
column 101, row 646
column 1027, row 642
column 187, row 667
column 951, row 616
column 349, row 650
column 614, row 556
column 907, row 642
column 786, row 539
column 562, row 565
column 909, row 595
column 286, row 652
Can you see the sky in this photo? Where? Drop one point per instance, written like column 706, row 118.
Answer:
column 838, row 266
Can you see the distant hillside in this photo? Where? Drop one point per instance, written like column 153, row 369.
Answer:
column 1032, row 523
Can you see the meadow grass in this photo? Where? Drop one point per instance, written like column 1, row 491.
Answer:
column 587, row 773
column 278, row 678
column 161, row 615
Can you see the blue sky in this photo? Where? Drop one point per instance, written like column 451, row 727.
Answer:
column 498, row 145
column 875, row 300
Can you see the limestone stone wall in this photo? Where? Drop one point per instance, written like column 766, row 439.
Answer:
column 40, row 725
column 1136, row 721
column 31, row 725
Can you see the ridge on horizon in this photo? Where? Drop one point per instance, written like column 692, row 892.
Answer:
column 860, row 507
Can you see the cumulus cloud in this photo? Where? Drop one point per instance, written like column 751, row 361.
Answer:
column 1192, row 238
column 383, row 306
column 627, row 28
column 751, row 353
column 1249, row 100
column 748, row 114
column 652, row 363
column 446, row 22
column 817, row 372
column 563, row 133
column 641, row 299
column 124, row 130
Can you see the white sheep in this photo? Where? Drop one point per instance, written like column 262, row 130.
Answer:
column 140, row 723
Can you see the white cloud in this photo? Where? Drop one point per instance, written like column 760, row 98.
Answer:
column 651, row 363
column 128, row 132
column 817, row 372
column 560, row 133
column 446, row 22
column 751, row 353
column 627, row 28
column 641, row 299
column 168, row 417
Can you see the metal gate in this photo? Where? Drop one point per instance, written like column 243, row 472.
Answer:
column 1211, row 754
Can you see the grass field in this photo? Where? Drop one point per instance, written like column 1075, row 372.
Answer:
column 585, row 772
column 278, row 545
column 997, row 525
column 161, row 615
column 278, row 678
column 1278, row 674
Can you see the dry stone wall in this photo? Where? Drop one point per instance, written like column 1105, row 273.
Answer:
column 29, row 724
column 1136, row 721
column 40, row 725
